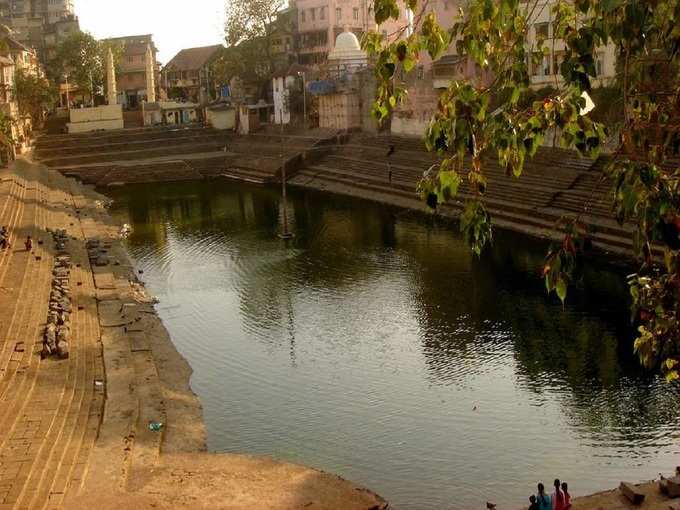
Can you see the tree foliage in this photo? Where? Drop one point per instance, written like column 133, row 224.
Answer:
column 244, row 60
column 83, row 59
column 469, row 126
column 33, row 94
column 250, row 26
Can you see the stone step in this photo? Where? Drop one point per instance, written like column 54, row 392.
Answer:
column 49, row 141
column 60, row 452
column 508, row 215
column 19, row 373
column 46, row 154
column 112, row 156
column 492, row 172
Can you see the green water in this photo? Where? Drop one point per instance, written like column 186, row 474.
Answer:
column 374, row 346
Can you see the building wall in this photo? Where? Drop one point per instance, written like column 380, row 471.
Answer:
column 36, row 23
column 222, row 119
column 321, row 21
column 547, row 73
column 281, row 94
column 131, row 72
column 413, row 116
column 340, row 111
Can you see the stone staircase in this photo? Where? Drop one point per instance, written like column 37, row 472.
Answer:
column 173, row 153
column 51, row 410
column 554, row 184
column 48, row 408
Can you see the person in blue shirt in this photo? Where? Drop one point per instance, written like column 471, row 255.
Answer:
column 544, row 500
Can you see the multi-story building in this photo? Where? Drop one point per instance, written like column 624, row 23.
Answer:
column 40, row 24
column 321, row 21
column 131, row 73
column 49, row 10
column 283, row 38
column 547, row 72
column 14, row 56
column 189, row 76
column 56, row 32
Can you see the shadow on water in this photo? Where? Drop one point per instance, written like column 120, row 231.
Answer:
column 375, row 346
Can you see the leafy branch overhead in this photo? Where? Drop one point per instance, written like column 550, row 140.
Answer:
column 491, row 116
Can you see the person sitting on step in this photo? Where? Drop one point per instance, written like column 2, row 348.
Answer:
column 4, row 238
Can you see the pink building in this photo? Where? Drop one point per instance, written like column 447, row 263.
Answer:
column 321, row 21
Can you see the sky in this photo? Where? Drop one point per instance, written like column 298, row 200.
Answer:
column 175, row 24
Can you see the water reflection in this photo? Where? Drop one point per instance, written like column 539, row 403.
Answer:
column 375, row 346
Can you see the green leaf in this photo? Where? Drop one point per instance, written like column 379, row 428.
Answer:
column 449, row 182
column 561, row 290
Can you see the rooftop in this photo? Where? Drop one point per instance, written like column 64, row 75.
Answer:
column 193, row 58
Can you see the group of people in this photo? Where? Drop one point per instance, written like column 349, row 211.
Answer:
column 560, row 499
column 4, row 240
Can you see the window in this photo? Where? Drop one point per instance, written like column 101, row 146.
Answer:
column 555, row 29
column 355, row 14
column 540, row 65
column 312, row 12
column 322, row 13
column 558, row 58
column 599, row 64
column 338, row 13
column 542, row 30
column 302, row 16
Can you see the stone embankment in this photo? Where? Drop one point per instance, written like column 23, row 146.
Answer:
column 108, row 419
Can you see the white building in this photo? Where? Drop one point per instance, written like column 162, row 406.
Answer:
column 547, row 72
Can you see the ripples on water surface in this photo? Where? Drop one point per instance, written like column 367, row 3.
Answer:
column 375, row 347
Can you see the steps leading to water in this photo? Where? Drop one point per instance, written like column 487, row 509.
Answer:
column 174, row 154
column 554, row 184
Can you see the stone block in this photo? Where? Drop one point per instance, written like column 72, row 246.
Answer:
column 632, row 493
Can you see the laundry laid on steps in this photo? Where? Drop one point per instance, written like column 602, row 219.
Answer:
column 58, row 329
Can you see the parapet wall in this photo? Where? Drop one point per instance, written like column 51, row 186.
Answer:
column 97, row 118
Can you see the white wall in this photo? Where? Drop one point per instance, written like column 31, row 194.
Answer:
column 281, row 93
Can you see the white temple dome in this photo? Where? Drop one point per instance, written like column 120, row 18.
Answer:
column 347, row 41
column 347, row 49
